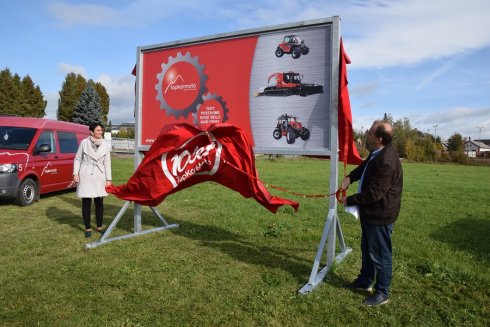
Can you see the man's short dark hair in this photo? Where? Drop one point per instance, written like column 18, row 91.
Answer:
column 385, row 134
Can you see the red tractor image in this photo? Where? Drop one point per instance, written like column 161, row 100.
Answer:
column 294, row 45
column 285, row 84
column 289, row 126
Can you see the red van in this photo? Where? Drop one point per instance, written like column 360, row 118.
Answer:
column 36, row 156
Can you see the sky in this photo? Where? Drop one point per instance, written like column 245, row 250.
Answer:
column 428, row 61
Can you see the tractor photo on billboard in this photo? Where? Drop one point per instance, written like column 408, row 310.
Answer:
column 291, row 128
column 293, row 45
column 286, row 84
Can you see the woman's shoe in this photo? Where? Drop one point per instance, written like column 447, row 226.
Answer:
column 101, row 231
column 88, row 233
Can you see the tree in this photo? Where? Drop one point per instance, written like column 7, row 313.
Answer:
column 7, row 95
column 402, row 131
column 388, row 118
column 455, row 143
column 87, row 110
column 15, row 105
column 32, row 103
column 126, row 133
column 71, row 90
column 20, row 97
column 104, row 101
column 39, row 103
column 455, row 146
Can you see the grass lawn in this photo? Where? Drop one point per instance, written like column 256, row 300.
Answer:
column 233, row 263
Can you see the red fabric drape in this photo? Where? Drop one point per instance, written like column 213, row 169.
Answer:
column 184, row 155
column 348, row 152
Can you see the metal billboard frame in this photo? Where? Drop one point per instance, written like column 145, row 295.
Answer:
column 332, row 228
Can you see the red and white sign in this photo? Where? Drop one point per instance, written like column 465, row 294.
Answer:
column 184, row 155
column 227, row 79
column 195, row 157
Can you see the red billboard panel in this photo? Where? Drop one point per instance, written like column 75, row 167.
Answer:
column 274, row 83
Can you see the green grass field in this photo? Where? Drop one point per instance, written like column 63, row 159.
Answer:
column 233, row 263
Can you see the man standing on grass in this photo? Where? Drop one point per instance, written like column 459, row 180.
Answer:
column 379, row 195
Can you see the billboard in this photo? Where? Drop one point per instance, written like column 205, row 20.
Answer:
column 279, row 84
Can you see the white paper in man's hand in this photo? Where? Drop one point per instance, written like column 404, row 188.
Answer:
column 353, row 210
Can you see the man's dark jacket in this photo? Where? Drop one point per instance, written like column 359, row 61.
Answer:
column 380, row 197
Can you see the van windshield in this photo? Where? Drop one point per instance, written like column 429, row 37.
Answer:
column 16, row 138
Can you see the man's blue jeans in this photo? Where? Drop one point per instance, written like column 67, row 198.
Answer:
column 376, row 256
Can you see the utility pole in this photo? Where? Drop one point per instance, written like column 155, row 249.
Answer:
column 479, row 138
column 435, row 131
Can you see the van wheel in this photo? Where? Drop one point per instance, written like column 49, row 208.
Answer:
column 27, row 192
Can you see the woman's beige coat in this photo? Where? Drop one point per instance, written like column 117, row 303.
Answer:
column 93, row 168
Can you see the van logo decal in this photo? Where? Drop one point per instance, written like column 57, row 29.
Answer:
column 49, row 169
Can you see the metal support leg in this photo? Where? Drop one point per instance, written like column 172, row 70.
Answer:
column 331, row 229
column 137, row 231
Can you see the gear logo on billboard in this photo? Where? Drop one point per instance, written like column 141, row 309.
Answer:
column 181, row 85
column 212, row 110
column 200, row 155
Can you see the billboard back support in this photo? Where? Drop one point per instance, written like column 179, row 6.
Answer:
column 280, row 84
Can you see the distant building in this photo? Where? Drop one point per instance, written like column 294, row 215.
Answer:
column 115, row 129
column 474, row 148
column 487, row 142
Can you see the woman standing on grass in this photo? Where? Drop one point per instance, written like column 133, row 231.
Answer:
column 92, row 173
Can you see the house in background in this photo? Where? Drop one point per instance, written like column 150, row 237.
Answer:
column 476, row 148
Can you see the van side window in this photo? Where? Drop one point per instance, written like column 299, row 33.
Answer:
column 68, row 142
column 47, row 137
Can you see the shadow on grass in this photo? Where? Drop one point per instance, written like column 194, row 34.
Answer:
column 210, row 236
column 236, row 247
column 469, row 235
column 74, row 219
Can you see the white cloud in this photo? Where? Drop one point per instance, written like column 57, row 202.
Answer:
column 383, row 33
column 462, row 120
column 407, row 32
column 121, row 94
column 52, row 106
column 379, row 33
column 67, row 68
column 85, row 14
column 364, row 89
column 448, row 65
column 458, row 115
column 135, row 13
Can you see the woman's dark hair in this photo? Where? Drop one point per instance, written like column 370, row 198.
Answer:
column 93, row 126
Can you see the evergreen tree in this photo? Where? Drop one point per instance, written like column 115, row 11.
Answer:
column 104, row 101
column 32, row 103
column 6, row 92
column 39, row 103
column 20, row 97
column 16, row 94
column 388, row 118
column 25, row 107
column 71, row 90
column 88, row 108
